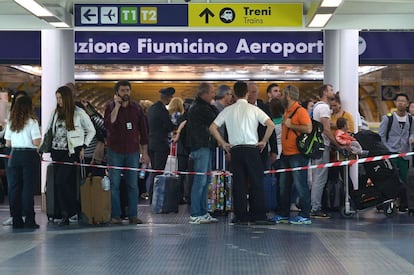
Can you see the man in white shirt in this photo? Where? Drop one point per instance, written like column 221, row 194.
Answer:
column 241, row 120
column 322, row 113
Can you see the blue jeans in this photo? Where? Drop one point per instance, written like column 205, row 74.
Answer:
column 131, row 180
column 199, row 191
column 299, row 179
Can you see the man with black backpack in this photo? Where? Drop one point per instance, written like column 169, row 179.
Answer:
column 396, row 133
column 322, row 113
column 296, row 121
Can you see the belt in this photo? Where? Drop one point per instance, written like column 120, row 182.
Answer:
column 244, row 146
column 23, row 149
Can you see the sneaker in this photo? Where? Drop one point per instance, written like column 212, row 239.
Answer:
column 319, row 214
column 279, row 219
column 116, row 220
column 145, row 196
column 208, row 217
column 198, row 220
column 134, row 220
column 73, row 219
column 9, row 221
column 300, row 220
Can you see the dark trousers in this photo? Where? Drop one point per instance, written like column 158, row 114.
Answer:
column 246, row 164
column 24, row 170
column 66, row 187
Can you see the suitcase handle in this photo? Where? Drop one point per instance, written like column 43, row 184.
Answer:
column 220, row 151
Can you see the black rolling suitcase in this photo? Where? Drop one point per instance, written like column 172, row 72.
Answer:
column 166, row 194
column 410, row 187
column 52, row 210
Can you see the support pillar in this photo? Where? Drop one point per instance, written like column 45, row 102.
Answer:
column 341, row 60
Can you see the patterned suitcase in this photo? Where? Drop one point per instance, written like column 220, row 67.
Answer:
column 219, row 189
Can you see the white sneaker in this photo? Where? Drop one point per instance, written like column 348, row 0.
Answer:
column 199, row 220
column 9, row 221
column 74, row 219
column 208, row 217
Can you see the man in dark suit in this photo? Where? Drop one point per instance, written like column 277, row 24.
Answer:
column 159, row 126
column 267, row 156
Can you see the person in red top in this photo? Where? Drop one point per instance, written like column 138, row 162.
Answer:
column 296, row 120
column 344, row 138
column 127, row 133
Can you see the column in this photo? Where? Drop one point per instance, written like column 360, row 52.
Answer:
column 331, row 47
column 58, row 68
column 341, row 60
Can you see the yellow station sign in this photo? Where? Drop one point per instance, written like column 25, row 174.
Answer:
column 245, row 15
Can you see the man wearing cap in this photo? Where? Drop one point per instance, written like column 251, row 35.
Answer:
column 159, row 125
column 126, row 129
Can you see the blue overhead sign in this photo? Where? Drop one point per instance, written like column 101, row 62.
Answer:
column 131, row 15
column 206, row 47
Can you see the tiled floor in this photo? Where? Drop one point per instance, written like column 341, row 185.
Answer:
column 369, row 243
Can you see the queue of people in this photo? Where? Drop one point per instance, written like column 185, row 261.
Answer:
column 254, row 134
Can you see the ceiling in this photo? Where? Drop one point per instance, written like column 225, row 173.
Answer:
column 352, row 14
column 193, row 72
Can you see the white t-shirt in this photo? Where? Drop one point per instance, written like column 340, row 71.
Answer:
column 242, row 120
column 24, row 138
column 321, row 109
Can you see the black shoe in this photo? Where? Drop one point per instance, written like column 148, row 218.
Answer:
column 64, row 221
column 33, row 225
column 410, row 212
column 264, row 222
column 18, row 223
column 239, row 222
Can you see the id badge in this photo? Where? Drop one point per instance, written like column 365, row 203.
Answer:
column 129, row 125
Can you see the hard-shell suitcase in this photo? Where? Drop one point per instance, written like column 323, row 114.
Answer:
column 409, row 185
column 219, row 189
column 52, row 210
column 95, row 201
column 166, row 194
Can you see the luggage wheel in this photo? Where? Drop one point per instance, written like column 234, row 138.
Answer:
column 346, row 214
column 390, row 209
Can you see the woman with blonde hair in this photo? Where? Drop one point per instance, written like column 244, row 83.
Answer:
column 176, row 109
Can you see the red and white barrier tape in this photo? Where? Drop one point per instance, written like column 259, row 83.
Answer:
column 318, row 166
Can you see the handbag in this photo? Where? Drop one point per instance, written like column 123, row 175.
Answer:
column 47, row 142
column 46, row 146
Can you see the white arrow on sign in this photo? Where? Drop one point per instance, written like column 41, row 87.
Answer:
column 89, row 15
column 109, row 15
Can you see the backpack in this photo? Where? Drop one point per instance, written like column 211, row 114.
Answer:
column 390, row 119
column 311, row 145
